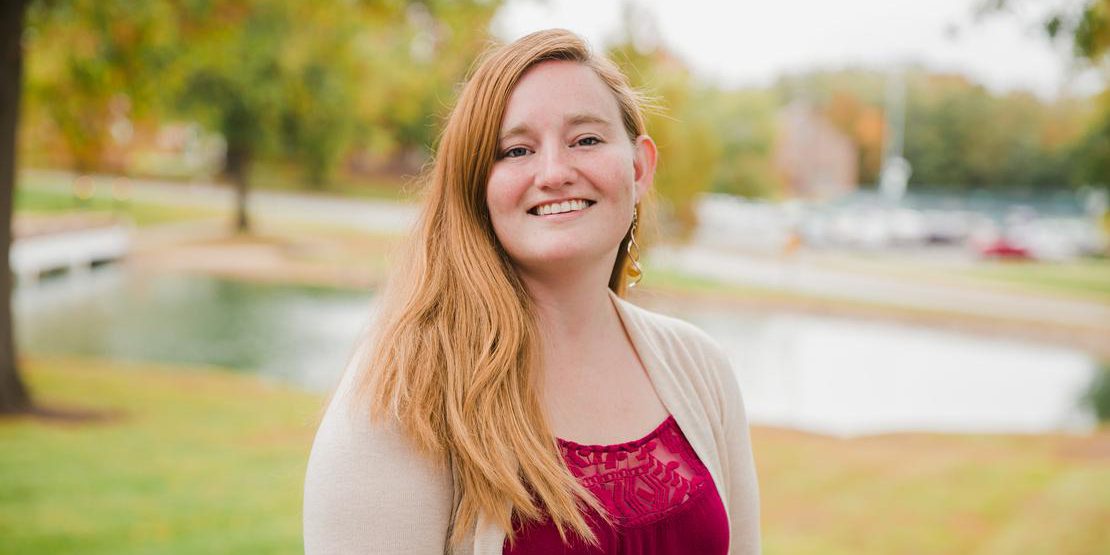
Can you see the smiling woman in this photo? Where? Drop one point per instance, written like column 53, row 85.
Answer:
column 568, row 175
column 510, row 400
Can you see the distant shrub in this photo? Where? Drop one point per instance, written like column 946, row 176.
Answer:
column 1098, row 394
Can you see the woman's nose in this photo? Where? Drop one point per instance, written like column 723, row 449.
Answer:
column 555, row 168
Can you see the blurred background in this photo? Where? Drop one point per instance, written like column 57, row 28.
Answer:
column 892, row 214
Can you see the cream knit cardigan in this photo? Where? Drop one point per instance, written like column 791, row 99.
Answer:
column 366, row 491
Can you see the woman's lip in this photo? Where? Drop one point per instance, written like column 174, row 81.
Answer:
column 563, row 215
column 588, row 202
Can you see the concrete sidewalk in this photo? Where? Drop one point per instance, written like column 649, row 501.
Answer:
column 810, row 277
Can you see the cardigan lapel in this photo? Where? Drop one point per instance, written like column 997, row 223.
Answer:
column 679, row 399
column 489, row 538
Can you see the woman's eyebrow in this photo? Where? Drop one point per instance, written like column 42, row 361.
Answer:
column 570, row 120
column 519, row 129
column 584, row 118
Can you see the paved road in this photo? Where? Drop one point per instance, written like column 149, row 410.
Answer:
column 812, row 278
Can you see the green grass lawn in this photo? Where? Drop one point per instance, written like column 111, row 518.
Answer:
column 275, row 176
column 1084, row 279
column 1088, row 278
column 30, row 200
column 679, row 283
column 32, row 197
column 199, row 461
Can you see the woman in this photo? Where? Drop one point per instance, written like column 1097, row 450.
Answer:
column 511, row 401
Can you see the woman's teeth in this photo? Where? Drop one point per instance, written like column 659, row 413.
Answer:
column 561, row 207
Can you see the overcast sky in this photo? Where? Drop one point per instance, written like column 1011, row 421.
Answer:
column 746, row 42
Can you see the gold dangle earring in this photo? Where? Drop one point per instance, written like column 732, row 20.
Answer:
column 634, row 271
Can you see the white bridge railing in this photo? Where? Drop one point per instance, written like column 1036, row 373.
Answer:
column 73, row 250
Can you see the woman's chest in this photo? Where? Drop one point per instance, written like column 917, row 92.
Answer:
column 659, row 496
column 602, row 404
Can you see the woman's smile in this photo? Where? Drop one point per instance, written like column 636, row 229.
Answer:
column 554, row 209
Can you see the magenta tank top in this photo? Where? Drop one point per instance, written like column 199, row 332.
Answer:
column 660, row 496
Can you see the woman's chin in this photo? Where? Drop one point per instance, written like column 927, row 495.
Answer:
column 563, row 258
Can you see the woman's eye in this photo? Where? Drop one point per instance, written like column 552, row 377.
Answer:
column 588, row 141
column 515, row 152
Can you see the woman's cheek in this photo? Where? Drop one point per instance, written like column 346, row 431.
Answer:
column 615, row 167
column 497, row 187
column 505, row 191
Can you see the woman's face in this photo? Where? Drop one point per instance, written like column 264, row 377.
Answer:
column 567, row 177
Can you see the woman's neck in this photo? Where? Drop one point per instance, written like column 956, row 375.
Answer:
column 572, row 308
column 587, row 358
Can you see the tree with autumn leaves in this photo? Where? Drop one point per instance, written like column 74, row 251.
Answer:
column 303, row 79
column 1086, row 26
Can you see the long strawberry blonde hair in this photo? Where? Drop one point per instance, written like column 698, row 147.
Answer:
column 457, row 343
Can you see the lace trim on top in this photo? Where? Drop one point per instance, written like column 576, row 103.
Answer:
column 640, row 481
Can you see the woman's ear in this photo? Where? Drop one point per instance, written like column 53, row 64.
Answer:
column 643, row 165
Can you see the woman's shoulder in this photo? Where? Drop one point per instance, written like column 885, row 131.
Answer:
column 366, row 486
column 671, row 334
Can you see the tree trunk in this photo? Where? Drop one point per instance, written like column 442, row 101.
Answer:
column 13, row 394
column 237, row 168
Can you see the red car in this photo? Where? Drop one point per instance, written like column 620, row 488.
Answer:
column 1003, row 248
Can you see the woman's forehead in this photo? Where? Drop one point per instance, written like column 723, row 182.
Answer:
column 559, row 93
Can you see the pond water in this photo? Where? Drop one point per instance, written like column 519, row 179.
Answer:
column 298, row 334
column 828, row 375
column 851, row 377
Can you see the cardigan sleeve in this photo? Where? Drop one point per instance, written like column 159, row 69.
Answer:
column 738, row 460
column 367, row 491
